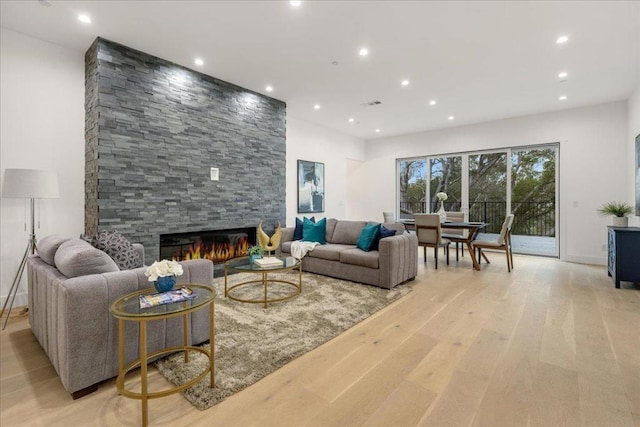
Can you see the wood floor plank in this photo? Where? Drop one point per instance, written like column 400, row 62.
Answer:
column 484, row 354
column 508, row 398
column 558, row 340
column 363, row 398
column 625, row 341
column 458, row 402
column 435, row 371
column 555, row 397
column 404, row 407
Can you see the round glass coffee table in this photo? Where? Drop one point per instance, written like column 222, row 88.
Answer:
column 127, row 308
column 242, row 265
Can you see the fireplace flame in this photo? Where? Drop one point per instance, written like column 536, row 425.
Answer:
column 218, row 252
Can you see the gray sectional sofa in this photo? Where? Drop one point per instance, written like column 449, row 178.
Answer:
column 395, row 262
column 69, row 312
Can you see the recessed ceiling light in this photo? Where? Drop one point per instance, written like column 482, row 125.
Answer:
column 351, row 120
column 364, row 51
column 269, row 88
column 562, row 98
column 377, row 130
column 316, row 107
column 295, row 3
column 405, row 83
column 562, row 39
column 198, row 61
column 432, row 102
column 84, row 18
column 563, row 76
column 451, row 117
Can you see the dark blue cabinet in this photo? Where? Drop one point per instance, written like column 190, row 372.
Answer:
column 624, row 254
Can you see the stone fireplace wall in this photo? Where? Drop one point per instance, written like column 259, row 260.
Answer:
column 153, row 131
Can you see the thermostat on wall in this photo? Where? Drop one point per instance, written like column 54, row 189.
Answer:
column 215, row 174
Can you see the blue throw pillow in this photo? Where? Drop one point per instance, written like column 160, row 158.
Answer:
column 368, row 237
column 297, row 233
column 384, row 232
column 314, row 232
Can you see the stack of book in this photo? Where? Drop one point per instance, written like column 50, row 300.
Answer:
column 268, row 262
column 177, row 295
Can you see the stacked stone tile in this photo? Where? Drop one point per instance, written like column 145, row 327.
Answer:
column 153, row 131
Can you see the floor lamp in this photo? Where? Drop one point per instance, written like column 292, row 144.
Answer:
column 29, row 184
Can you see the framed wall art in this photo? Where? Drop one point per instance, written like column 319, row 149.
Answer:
column 310, row 187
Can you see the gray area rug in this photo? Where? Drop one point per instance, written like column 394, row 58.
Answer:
column 252, row 341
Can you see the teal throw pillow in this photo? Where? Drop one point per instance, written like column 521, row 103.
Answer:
column 368, row 236
column 314, row 232
column 297, row 233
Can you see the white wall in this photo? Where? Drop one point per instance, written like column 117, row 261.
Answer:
column 341, row 155
column 634, row 130
column 41, row 127
column 593, row 165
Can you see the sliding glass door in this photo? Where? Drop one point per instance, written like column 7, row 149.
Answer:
column 412, row 187
column 488, row 189
column 486, row 186
column 533, row 200
column 445, row 176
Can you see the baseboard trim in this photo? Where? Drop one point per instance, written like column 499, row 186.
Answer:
column 21, row 301
column 580, row 259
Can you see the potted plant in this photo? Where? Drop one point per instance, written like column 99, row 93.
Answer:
column 255, row 252
column 163, row 274
column 619, row 210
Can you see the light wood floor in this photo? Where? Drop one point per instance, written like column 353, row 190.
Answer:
column 551, row 344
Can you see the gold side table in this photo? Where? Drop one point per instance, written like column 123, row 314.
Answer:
column 127, row 308
column 242, row 265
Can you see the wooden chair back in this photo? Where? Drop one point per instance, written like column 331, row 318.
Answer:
column 389, row 216
column 454, row 217
column 428, row 228
column 505, row 232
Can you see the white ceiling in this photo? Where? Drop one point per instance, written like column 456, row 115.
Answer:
column 480, row 60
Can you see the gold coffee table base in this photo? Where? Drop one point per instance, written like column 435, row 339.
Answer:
column 120, row 382
column 242, row 265
column 264, row 282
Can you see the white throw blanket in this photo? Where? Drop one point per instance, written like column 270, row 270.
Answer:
column 300, row 248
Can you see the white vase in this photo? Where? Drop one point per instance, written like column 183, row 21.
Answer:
column 620, row 221
column 442, row 213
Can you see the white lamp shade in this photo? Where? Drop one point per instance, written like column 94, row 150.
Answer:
column 30, row 184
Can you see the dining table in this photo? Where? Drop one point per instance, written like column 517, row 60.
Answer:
column 473, row 227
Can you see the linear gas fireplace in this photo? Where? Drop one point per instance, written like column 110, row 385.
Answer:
column 217, row 245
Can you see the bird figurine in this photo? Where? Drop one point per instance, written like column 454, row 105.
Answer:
column 269, row 244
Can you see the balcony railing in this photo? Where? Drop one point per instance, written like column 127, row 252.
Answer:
column 531, row 218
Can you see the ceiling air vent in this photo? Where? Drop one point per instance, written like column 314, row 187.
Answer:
column 371, row 104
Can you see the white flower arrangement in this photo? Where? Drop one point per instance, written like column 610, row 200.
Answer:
column 442, row 196
column 162, row 269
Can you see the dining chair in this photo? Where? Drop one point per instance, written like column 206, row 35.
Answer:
column 503, row 243
column 430, row 235
column 389, row 216
column 455, row 235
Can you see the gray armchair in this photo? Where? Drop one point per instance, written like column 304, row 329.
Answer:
column 70, row 315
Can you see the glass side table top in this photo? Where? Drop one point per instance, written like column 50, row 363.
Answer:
column 243, row 264
column 128, row 306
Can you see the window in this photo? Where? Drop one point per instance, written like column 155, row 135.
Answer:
column 487, row 186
